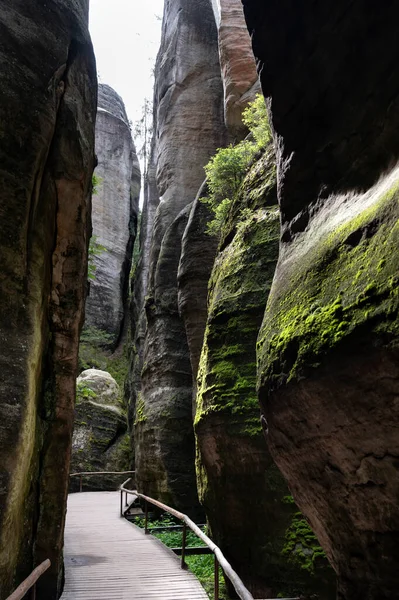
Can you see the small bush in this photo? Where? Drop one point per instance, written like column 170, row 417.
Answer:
column 227, row 168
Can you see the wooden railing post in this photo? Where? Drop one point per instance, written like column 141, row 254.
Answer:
column 81, row 484
column 216, row 578
column 121, row 503
column 183, row 547
column 146, row 518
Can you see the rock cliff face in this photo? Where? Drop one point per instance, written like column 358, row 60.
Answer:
column 240, row 79
column 47, row 113
column 195, row 267
column 115, row 209
column 247, row 502
column 328, row 352
column 100, row 440
column 188, row 104
column 164, row 433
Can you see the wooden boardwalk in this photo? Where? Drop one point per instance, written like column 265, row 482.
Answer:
column 107, row 558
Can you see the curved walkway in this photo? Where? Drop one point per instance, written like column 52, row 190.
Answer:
column 108, row 558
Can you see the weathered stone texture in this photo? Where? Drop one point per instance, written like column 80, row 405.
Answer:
column 164, row 435
column 244, row 495
column 197, row 257
column 100, row 440
column 47, row 114
column 115, row 209
column 188, row 102
column 328, row 353
column 239, row 76
column 189, row 126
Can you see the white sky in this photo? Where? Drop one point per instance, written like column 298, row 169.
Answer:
column 126, row 36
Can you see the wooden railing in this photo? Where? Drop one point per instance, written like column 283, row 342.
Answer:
column 84, row 473
column 30, row 582
column 242, row 592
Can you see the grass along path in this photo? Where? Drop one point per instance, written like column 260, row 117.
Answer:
column 201, row 565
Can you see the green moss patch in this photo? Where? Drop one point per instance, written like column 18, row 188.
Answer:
column 345, row 287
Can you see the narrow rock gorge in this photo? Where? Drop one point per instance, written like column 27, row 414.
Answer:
column 244, row 358
column 47, row 115
column 199, row 298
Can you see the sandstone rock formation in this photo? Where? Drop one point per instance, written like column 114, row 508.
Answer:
column 188, row 102
column 115, row 209
column 245, row 497
column 164, row 435
column 189, row 126
column 240, row 79
column 328, row 353
column 47, row 113
column 100, row 440
column 196, row 261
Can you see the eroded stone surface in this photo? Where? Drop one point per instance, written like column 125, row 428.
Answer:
column 247, row 501
column 164, row 434
column 188, row 102
column 196, row 261
column 240, row 79
column 328, row 346
column 47, row 114
column 115, row 209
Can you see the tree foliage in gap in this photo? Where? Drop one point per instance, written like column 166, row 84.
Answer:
column 227, row 168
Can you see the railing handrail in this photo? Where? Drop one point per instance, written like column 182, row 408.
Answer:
column 228, row 570
column 103, row 473
column 30, row 581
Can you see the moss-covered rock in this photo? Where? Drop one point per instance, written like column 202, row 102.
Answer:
column 328, row 352
column 243, row 493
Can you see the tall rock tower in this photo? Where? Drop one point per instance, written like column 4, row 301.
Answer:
column 114, row 215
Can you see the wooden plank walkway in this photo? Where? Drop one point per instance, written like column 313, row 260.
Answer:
column 108, row 558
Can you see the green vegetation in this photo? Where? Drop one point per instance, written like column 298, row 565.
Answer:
column 95, row 352
column 301, row 545
column 83, row 392
column 226, row 170
column 345, row 287
column 201, row 565
column 95, row 249
column 140, row 406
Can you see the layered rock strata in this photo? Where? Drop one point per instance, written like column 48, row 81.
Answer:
column 47, row 114
column 115, row 210
column 100, row 440
column 328, row 357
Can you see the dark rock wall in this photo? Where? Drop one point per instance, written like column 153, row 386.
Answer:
column 115, row 210
column 47, row 113
column 328, row 358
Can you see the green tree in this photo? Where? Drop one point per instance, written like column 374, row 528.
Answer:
column 227, row 168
